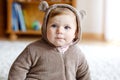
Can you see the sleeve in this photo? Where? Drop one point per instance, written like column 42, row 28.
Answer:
column 83, row 72
column 21, row 66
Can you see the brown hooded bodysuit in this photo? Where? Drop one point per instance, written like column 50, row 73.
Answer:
column 41, row 60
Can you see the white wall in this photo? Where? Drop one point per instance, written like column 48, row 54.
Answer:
column 112, row 29
column 93, row 22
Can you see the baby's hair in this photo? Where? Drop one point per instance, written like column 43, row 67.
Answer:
column 60, row 11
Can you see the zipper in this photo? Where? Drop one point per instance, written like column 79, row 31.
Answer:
column 63, row 60
column 62, row 55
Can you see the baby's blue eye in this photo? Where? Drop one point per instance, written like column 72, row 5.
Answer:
column 67, row 27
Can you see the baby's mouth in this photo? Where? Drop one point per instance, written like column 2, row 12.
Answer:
column 59, row 38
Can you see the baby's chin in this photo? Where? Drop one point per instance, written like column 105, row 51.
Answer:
column 61, row 43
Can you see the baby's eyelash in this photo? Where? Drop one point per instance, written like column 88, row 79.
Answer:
column 67, row 27
column 54, row 25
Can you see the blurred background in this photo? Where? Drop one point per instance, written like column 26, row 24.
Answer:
column 102, row 19
column 100, row 23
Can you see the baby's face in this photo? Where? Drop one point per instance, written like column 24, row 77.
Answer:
column 61, row 30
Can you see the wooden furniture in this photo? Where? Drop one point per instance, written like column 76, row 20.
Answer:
column 2, row 18
column 31, row 6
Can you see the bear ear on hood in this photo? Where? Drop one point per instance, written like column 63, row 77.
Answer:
column 82, row 14
column 43, row 6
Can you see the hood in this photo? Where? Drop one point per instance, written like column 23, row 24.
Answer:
column 47, row 9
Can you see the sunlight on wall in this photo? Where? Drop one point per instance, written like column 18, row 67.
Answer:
column 94, row 15
column 112, row 29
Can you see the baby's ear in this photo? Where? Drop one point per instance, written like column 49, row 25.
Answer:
column 82, row 14
column 43, row 6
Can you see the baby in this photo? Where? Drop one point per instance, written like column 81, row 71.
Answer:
column 56, row 56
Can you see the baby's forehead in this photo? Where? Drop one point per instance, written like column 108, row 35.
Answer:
column 64, row 18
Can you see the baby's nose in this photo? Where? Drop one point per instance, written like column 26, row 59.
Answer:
column 60, row 30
